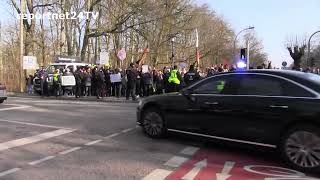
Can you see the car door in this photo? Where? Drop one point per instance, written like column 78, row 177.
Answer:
column 271, row 102
column 215, row 110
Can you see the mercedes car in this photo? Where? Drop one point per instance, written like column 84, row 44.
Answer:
column 270, row 108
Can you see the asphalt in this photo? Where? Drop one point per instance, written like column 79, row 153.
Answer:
column 100, row 140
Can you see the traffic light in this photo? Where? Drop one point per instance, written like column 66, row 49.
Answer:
column 243, row 54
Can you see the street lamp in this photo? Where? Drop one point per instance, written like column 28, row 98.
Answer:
column 308, row 56
column 172, row 52
column 235, row 39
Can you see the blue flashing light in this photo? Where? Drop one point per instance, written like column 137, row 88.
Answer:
column 241, row 65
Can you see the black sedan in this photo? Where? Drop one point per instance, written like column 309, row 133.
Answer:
column 271, row 108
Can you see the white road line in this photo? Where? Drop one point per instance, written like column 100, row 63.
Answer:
column 113, row 135
column 69, row 150
column 176, row 161
column 34, row 124
column 10, row 171
column 33, row 139
column 93, row 142
column 158, row 174
column 190, row 150
column 41, row 160
column 14, row 108
column 127, row 130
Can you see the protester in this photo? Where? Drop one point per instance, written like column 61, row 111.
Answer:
column 174, row 80
column 191, row 76
column 132, row 80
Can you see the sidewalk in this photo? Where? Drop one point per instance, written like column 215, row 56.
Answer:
column 72, row 98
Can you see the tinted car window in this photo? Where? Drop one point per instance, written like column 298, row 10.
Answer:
column 217, row 85
column 270, row 86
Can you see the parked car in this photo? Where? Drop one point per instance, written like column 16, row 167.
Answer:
column 271, row 108
column 3, row 93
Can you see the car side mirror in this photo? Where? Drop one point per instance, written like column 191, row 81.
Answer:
column 187, row 92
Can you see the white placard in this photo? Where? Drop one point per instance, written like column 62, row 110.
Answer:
column 104, row 58
column 68, row 81
column 145, row 68
column 115, row 78
column 122, row 54
column 30, row 62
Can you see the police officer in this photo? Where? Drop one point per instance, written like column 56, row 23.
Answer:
column 174, row 79
column 191, row 76
column 56, row 82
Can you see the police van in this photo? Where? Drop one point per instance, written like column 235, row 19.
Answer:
column 61, row 63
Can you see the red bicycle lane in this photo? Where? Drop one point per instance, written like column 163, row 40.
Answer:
column 220, row 165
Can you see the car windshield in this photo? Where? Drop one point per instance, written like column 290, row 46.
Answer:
column 50, row 69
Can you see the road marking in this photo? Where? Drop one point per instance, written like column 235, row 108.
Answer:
column 33, row 139
column 158, row 174
column 228, row 165
column 190, row 150
column 10, row 171
column 127, row 130
column 41, row 160
column 112, row 135
column 35, row 124
column 176, row 161
column 195, row 170
column 14, row 108
column 93, row 142
column 69, row 150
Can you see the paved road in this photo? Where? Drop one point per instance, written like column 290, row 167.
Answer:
column 56, row 139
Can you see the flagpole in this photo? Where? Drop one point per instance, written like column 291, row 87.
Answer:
column 197, row 47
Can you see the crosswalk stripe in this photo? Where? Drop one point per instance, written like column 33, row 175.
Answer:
column 158, row 174
column 176, row 161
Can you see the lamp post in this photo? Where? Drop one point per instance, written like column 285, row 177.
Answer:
column 22, row 8
column 235, row 39
column 309, row 48
column 172, row 50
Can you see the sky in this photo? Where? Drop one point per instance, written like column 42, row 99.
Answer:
column 275, row 21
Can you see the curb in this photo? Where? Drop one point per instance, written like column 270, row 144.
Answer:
column 93, row 99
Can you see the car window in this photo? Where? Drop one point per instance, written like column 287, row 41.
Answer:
column 217, row 85
column 269, row 86
column 259, row 85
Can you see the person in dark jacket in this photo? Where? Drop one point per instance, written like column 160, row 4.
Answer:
column 78, row 75
column 101, row 84
column 191, row 76
column 132, row 80
column 166, row 74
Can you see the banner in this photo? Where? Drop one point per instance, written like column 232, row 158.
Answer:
column 115, row 78
column 68, row 81
column 104, row 58
column 30, row 62
column 145, row 68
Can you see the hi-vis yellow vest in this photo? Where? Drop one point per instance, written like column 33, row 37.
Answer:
column 174, row 77
column 56, row 77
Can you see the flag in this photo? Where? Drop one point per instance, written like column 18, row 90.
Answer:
column 143, row 57
column 197, row 47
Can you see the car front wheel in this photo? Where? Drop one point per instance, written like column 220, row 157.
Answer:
column 301, row 148
column 153, row 123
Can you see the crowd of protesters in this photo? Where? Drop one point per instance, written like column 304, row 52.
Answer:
column 133, row 82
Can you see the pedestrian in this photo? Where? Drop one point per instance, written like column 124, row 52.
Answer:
column 78, row 77
column 30, row 84
column 147, row 84
column 101, row 84
column 117, row 84
column 87, row 82
column 132, row 80
column 174, row 79
column 56, row 83
column 191, row 76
